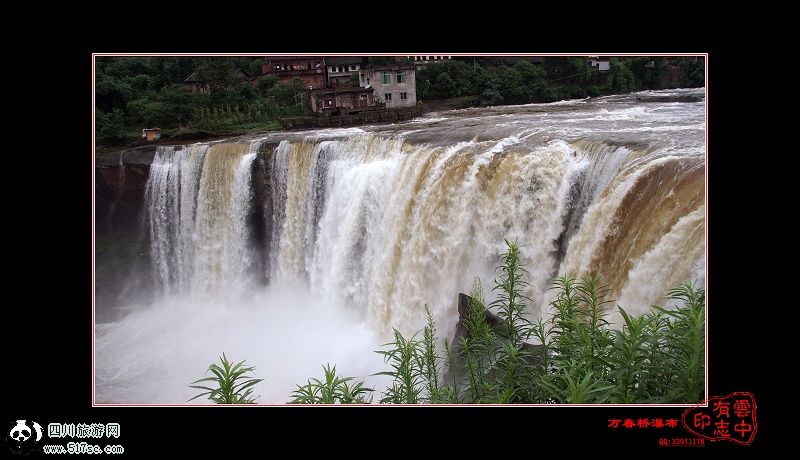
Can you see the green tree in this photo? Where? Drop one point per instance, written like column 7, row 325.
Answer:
column 514, row 88
column 491, row 96
column 126, row 66
column 531, row 74
column 265, row 82
column 110, row 126
column 620, row 78
column 110, row 92
column 179, row 104
column 543, row 92
column 218, row 73
column 174, row 69
column 444, row 86
column 249, row 65
column 567, row 70
column 647, row 71
column 448, row 79
column 694, row 71
column 288, row 94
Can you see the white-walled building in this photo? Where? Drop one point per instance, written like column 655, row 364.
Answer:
column 395, row 84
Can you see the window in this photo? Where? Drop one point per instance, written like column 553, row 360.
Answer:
column 387, row 97
column 386, row 78
column 401, row 77
column 353, row 67
column 329, row 102
column 403, row 96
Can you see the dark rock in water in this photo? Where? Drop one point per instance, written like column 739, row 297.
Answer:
column 122, row 265
column 534, row 351
column 140, row 156
column 493, row 320
column 126, row 184
column 686, row 98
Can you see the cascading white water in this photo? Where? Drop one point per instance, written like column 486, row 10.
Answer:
column 404, row 226
column 367, row 226
column 659, row 266
column 171, row 204
column 198, row 200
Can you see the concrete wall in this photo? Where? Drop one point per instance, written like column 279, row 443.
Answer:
column 601, row 65
column 340, row 80
column 341, row 76
column 347, row 100
column 374, row 77
column 366, row 116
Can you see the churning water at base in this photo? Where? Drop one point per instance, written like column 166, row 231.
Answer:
column 298, row 249
column 153, row 354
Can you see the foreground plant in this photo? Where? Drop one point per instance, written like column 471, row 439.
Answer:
column 657, row 357
column 334, row 389
column 407, row 361
column 477, row 349
column 233, row 386
column 685, row 344
column 430, row 362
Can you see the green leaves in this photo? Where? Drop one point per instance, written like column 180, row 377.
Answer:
column 233, row 386
column 407, row 363
column 685, row 343
column 334, row 389
column 657, row 357
column 430, row 360
column 510, row 300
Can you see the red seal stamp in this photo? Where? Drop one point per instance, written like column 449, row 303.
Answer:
column 731, row 418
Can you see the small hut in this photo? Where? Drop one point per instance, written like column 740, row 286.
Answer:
column 151, row 134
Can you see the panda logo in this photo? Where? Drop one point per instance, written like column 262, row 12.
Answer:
column 21, row 432
column 21, row 437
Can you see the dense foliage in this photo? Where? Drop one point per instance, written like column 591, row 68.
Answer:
column 141, row 92
column 492, row 81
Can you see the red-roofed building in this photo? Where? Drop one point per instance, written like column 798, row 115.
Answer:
column 310, row 69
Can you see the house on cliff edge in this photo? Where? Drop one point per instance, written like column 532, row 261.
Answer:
column 394, row 84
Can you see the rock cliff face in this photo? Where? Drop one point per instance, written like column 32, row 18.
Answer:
column 121, row 259
column 120, row 181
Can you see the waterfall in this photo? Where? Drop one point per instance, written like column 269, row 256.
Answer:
column 199, row 200
column 642, row 204
column 383, row 226
column 330, row 239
